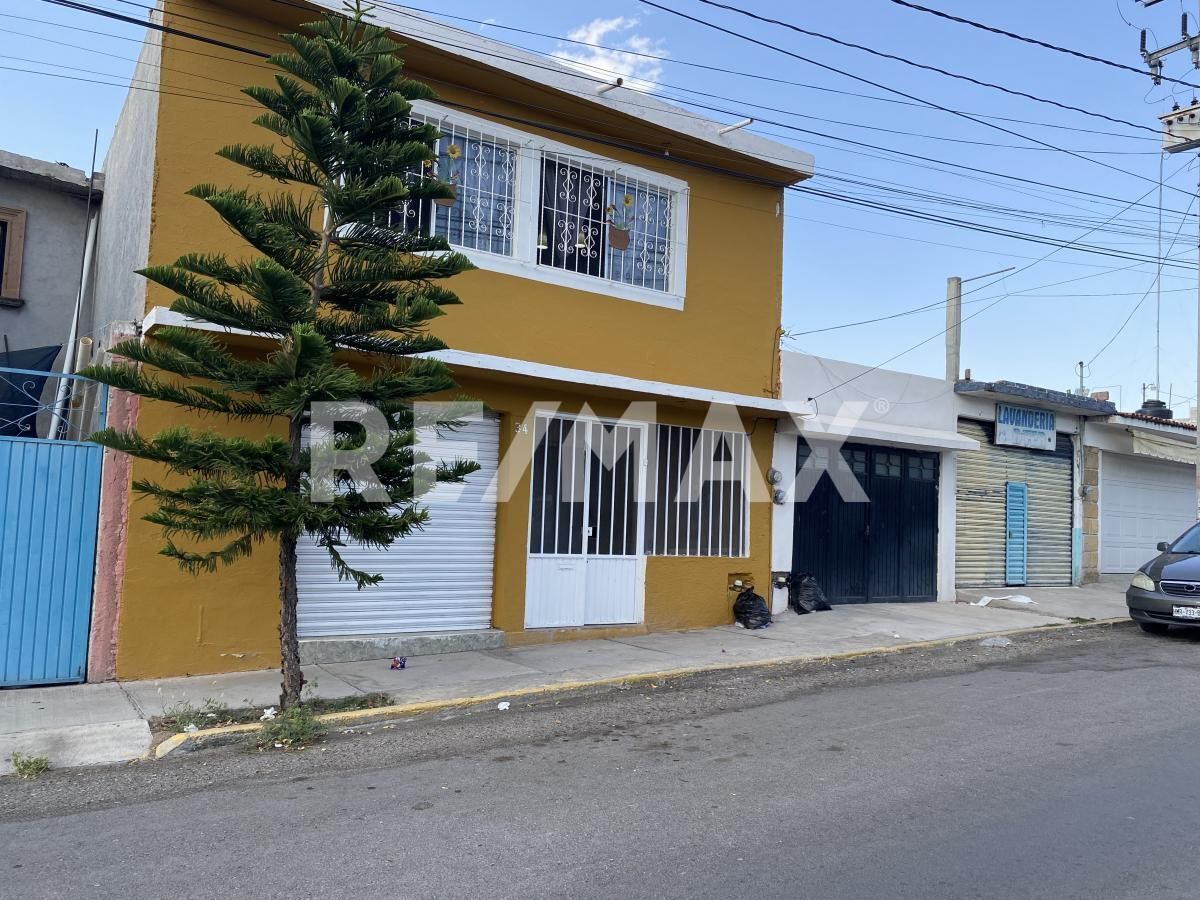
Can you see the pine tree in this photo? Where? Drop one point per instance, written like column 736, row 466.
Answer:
column 329, row 276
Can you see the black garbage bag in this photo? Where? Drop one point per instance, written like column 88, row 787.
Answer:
column 805, row 594
column 751, row 610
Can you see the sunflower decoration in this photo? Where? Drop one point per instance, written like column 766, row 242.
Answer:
column 447, row 166
column 621, row 217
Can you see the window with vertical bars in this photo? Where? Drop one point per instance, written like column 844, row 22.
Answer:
column 483, row 171
column 697, row 493
column 584, row 487
column 606, row 225
column 531, row 207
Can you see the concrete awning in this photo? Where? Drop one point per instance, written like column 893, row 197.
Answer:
column 506, row 368
column 879, row 433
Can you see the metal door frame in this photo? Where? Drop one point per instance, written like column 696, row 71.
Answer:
column 866, row 482
column 639, row 554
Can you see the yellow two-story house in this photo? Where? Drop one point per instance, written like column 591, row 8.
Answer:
column 629, row 375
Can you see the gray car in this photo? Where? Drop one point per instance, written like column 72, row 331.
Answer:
column 1166, row 590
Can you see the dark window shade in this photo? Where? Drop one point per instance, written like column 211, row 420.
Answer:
column 696, row 496
column 572, row 217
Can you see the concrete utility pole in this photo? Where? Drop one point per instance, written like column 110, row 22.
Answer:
column 954, row 321
column 1181, row 132
column 953, row 326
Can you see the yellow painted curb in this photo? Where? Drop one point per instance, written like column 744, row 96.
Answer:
column 410, row 709
column 178, row 740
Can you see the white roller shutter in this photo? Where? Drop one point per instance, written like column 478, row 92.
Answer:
column 436, row 579
column 1142, row 502
column 980, row 505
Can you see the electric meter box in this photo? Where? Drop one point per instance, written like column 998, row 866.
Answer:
column 1181, row 129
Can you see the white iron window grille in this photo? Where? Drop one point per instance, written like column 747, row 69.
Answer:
column 698, row 501
column 603, row 224
column 483, row 171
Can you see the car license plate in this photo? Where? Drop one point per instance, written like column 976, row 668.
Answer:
column 1186, row 612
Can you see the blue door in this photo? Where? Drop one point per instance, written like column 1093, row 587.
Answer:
column 1016, row 529
column 49, row 505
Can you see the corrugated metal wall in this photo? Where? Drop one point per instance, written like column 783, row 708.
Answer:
column 981, row 533
column 436, row 579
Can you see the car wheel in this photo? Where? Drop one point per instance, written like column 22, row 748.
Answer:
column 1154, row 627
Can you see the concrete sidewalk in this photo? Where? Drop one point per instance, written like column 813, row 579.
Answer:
column 92, row 724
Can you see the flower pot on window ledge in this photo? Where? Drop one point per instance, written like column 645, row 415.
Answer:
column 618, row 238
column 446, row 201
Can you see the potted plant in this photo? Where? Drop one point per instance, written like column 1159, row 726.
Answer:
column 447, row 171
column 620, row 221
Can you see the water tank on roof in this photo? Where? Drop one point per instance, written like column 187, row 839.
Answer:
column 1156, row 408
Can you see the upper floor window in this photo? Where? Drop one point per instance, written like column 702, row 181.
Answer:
column 483, row 171
column 12, row 242
column 535, row 208
column 603, row 224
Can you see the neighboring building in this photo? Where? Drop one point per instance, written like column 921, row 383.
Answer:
column 43, row 231
column 1018, row 513
column 49, row 478
column 557, row 342
column 1139, row 489
column 894, row 434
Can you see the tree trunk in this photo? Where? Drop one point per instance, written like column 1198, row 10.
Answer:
column 289, row 640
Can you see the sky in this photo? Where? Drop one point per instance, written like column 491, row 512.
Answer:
column 847, row 257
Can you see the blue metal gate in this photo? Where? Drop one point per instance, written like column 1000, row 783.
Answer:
column 1016, row 531
column 49, row 505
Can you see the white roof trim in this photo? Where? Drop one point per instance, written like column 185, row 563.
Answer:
column 560, row 77
column 1178, row 430
column 881, row 433
column 462, row 359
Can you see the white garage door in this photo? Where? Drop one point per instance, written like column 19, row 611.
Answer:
column 436, row 579
column 1142, row 502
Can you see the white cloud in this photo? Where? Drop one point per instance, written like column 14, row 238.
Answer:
column 641, row 72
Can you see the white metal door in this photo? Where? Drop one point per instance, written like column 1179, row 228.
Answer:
column 436, row 579
column 1142, row 502
column 586, row 565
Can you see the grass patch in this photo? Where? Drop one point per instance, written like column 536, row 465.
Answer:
column 186, row 716
column 347, row 704
column 1079, row 620
column 29, row 767
column 294, row 728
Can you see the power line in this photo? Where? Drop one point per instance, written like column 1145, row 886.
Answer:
column 917, row 65
column 860, row 78
column 145, row 23
column 1039, row 43
column 1137, row 305
column 1026, row 214
column 725, row 71
column 831, row 195
column 558, row 68
column 165, row 29
column 891, row 208
column 940, row 304
column 978, row 312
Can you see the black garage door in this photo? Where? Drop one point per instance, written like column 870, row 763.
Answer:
column 881, row 550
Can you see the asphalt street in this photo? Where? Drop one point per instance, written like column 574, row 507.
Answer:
column 1059, row 767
